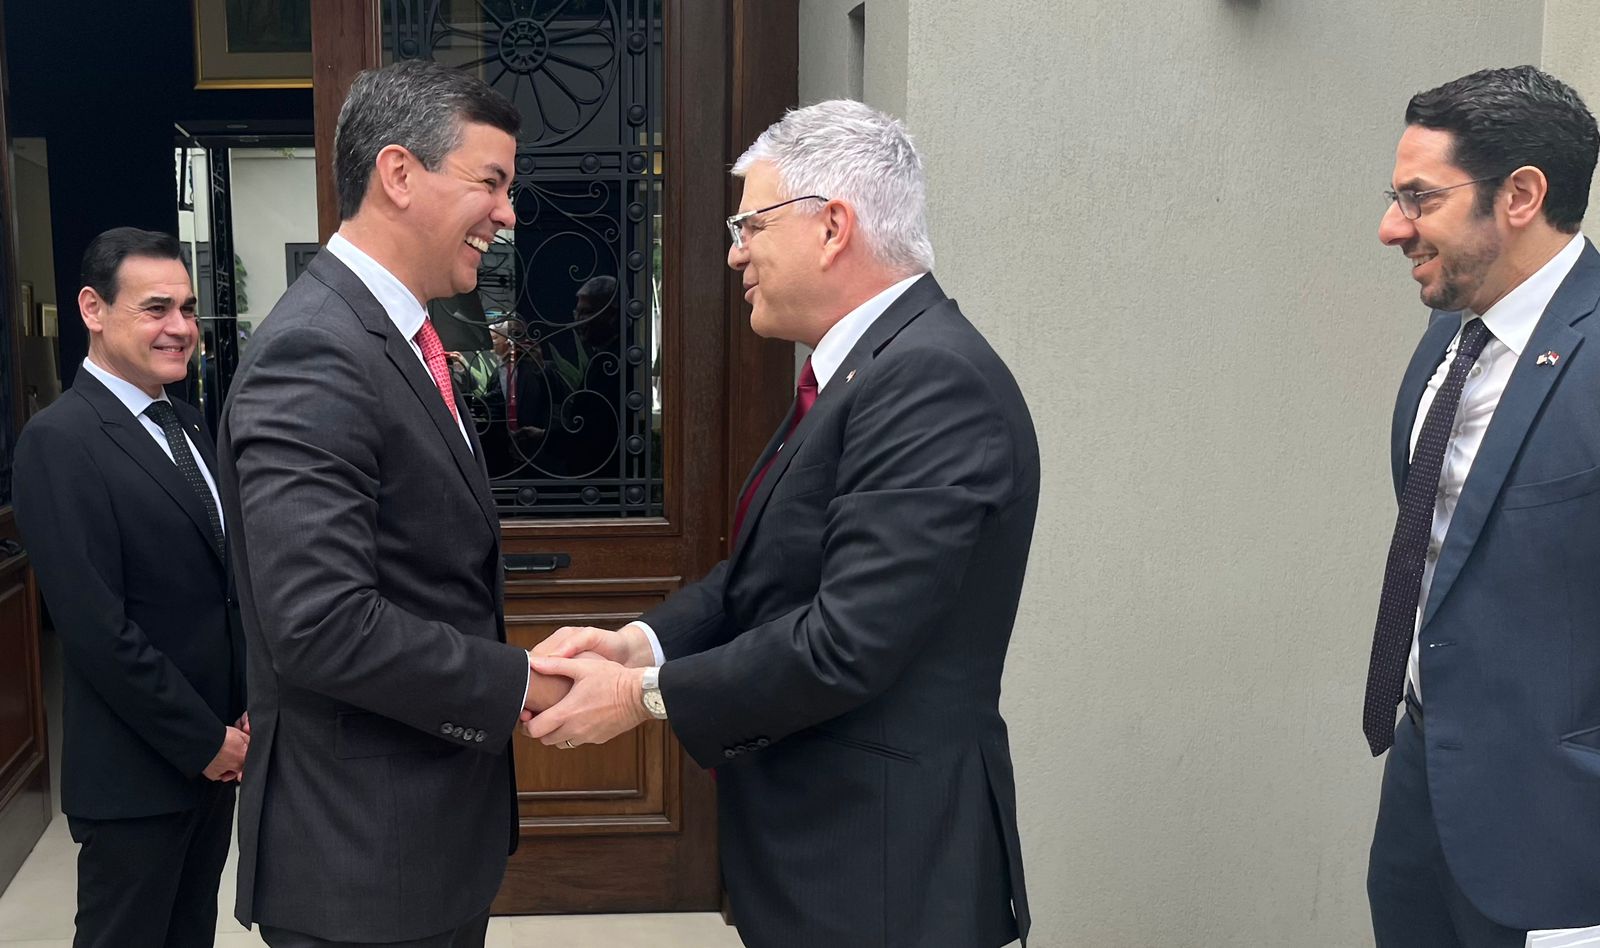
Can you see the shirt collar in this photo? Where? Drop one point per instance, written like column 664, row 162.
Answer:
column 843, row 336
column 1514, row 317
column 127, row 393
column 404, row 311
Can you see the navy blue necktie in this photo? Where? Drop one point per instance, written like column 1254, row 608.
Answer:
column 1413, row 529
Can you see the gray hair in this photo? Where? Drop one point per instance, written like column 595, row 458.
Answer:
column 417, row 104
column 846, row 151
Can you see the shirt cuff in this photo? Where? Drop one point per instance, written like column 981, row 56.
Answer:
column 525, row 690
column 655, row 643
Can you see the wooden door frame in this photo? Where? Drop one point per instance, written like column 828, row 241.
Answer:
column 25, row 808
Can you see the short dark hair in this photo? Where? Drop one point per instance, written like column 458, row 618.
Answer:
column 1504, row 119
column 106, row 252
column 417, row 104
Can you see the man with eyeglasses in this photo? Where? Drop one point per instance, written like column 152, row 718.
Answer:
column 1488, row 625
column 841, row 669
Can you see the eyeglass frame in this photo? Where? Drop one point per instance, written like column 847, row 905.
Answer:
column 736, row 222
column 1393, row 194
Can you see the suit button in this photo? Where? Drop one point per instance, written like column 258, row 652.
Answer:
column 446, row 728
column 478, row 737
column 730, row 753
column 459, row 731
column 762, row 742
column 467, row 735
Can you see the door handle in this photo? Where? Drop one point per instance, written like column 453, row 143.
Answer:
column 535, row 562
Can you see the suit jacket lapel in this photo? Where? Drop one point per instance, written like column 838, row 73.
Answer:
column 1424, row 362
column 129, row 434
column 331, row 271
column 1525, row 394
column 912, row 303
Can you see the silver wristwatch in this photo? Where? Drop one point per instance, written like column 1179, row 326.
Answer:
column 653, row 702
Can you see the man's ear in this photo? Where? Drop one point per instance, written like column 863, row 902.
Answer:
column 93, row 309
column 396, row 171
column 1524, row 192
column 838, row 221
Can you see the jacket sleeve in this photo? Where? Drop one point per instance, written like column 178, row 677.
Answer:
column 923, row 463
column 692, row 619
column 64, row 511
column 306, row 447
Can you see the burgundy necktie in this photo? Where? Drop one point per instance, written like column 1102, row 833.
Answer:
column 438, row 365
column 1413, row 529
column 805, row 395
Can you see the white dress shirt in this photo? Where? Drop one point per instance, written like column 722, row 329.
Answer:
column 137, row 401
column 399, row 303
column 831, row 351
column 1512, row 321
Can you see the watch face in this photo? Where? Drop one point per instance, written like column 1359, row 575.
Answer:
column 654, row 704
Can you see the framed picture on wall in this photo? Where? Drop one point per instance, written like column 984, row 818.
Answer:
column 252, row 44
column 27, row 309
column 47, row 319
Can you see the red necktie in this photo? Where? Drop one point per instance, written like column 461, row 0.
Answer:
column 805, row 395
column 438, row 366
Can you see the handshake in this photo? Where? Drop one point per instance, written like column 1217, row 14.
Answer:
column 585, row 685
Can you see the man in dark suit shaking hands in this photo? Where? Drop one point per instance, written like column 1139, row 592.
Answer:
column 842, row 667
column 379, row 800
column 1489, row 619
column 116, row 498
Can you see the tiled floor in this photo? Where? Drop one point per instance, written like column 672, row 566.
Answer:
column 36, row 909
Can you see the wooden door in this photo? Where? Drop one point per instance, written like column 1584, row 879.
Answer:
column 608, row 365
column 24, row 769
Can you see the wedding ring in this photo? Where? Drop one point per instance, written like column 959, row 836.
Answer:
column 568, row 745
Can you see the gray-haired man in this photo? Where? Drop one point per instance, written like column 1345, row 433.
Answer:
column 842, row 668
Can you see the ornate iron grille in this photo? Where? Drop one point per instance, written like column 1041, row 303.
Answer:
column 563, row 378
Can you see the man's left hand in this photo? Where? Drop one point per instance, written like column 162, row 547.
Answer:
column 605, row 701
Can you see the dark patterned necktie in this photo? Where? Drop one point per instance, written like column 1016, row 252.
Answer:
column 163, row 414
column 1413, row 529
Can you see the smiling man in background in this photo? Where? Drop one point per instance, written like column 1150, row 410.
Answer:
column 1489, row 619
column 116, row 498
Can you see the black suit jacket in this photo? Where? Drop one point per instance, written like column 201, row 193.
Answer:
column 378, row 800
column 154, row 660
column 842, row 668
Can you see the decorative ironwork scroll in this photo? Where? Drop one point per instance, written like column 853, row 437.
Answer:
column 564, row 385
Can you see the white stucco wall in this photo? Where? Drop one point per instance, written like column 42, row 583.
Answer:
column 1164, row 216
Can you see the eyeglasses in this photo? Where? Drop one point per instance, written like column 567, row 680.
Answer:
column 1410, row 201
column 737, row 223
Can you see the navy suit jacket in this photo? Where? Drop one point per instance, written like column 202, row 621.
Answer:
column 1510, row 635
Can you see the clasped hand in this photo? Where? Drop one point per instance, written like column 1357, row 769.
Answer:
column 606, row 670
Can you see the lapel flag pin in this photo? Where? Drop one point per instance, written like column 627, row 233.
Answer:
column 1548, row 358
column 850, row 375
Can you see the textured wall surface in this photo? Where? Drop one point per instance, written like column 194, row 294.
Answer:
column 1572, row 53
column 1164, row 216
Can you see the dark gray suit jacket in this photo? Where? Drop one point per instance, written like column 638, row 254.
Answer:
column 1510, row 634
column 123, row 551
column 842, row 669
column 378, row 799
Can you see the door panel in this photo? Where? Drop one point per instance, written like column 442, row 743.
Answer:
column 24, row 768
